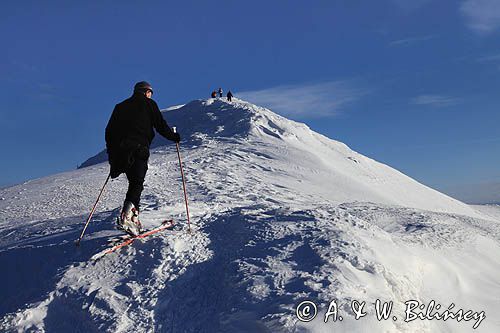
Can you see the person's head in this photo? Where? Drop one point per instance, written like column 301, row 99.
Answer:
column 145, row 88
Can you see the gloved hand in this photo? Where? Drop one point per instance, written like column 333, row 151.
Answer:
column 176, row 138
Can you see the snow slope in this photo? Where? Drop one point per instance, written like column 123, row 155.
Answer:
column 280, row 214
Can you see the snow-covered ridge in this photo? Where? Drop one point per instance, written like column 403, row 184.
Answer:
column 342, row 174
column 279, row 215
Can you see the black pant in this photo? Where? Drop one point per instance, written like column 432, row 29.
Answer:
column 135, row 175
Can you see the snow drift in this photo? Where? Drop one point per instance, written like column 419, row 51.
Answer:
column 281, row 215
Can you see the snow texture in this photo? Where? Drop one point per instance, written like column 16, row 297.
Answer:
column 280, row 214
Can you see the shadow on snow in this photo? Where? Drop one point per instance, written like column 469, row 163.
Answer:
column 34, row 265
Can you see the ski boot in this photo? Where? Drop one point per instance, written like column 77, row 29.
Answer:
column 129, row 219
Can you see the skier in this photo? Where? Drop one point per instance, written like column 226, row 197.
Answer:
column 128, row 136
column 220, row 92
column 229, row 96
column 214, row 94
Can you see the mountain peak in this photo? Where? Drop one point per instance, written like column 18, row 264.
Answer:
column 202, row 119
column 337, row 173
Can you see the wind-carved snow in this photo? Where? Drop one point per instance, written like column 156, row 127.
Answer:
column 280, row 215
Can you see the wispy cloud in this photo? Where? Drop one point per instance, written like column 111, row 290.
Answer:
column 24, row 66
column 482, row 16
column 493, row 59
column 309, row 100
column 409, row 5
column 434, row 100
column 46, row 92
column 411, row 40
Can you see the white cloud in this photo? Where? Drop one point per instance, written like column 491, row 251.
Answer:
column 482, row 16
column 411, row 40
column 308, row 100
column 434, row 100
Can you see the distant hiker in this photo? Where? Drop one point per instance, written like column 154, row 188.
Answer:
column 214, row 94
column 229, row 96
column 220, row 92
column 129, row 133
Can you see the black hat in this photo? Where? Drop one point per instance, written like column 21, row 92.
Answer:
column 142, row 86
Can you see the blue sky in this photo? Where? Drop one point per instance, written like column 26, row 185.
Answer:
column 414, row 84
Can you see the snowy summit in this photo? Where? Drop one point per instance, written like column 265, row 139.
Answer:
column 281, row 217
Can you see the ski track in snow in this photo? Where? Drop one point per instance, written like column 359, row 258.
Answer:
column 273, row 224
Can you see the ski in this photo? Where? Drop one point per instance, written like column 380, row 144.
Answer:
column 129, row 239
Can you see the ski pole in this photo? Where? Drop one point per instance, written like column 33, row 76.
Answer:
column 183, row 180
column 92, row 211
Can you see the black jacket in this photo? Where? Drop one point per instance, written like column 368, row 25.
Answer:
column 131, row 129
